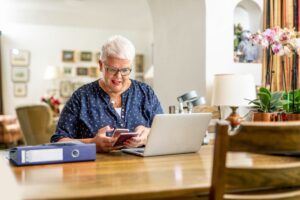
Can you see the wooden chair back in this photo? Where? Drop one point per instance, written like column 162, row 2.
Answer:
column 276, row 138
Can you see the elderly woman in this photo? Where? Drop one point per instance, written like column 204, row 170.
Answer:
column 114, row 101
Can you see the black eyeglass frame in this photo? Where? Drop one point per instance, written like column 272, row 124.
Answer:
column 113, row 70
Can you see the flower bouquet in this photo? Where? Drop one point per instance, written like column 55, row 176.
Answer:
column 53, row 103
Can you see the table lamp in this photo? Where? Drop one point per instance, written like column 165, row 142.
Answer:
column 233, row 90
column 52, row 73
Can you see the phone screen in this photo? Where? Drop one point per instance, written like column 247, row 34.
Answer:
column 118, row 131
column 123, row 137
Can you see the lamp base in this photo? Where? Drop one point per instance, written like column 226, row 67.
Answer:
column 234, row 118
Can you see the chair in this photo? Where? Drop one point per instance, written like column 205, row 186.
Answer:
column 36, row 122
column 279, row 180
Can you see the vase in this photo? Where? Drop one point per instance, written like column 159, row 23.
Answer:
column 263, row 117
column 293, row 117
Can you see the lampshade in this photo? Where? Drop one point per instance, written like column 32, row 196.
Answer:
column 51, row 73
column 233, row 89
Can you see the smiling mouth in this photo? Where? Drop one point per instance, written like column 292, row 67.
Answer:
column 116, row 82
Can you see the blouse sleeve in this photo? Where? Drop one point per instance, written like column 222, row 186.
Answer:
column 67, row 124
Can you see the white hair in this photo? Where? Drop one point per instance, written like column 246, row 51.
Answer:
column 119, row 47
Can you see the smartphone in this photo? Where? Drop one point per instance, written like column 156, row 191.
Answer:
column 123, row 137
column 118, row 131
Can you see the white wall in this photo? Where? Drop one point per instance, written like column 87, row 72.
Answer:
column 45, row 44
column 193, row 40
column 179, row 48
column 219, row 38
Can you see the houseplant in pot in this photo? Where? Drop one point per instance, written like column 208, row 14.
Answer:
column 266, row 105
column 291, row 105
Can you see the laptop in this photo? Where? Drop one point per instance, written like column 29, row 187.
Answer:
column 174, row 134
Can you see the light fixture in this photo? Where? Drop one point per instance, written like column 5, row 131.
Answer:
column 191, row 99
column 233, row 90
column 52, row 74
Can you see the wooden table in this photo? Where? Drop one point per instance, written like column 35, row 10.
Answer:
column 117, row 175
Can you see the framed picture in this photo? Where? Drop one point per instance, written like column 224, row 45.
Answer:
column 20, row 89
column 67, row 71
column 86, row 56
column 139, row 63
column 81, row 71
column 20, row 74
column 66, row 88
column 97, row 56
column 68, row 56
column 94, row 72
column 19, row 57
column 77, row 85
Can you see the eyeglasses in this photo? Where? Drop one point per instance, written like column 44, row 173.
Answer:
column 114, row 71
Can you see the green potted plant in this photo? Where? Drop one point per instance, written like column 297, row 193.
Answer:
column 266, row 105
column 291, row 105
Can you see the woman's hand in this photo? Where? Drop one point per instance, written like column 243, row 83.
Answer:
column 139, row 140
column 104, row 143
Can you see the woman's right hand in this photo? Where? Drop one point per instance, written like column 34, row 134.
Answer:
column 104, row 143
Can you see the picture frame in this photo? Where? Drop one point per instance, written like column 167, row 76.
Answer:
column 65, row 88
column 19, row 57
column 77, row 85
column 67, row 71
column 139, row 63
column 20, row 89
column 20, row 74
column 68, row 56
column 86, row 56
column 97, row 56
column 93, row 72
column 82, row 71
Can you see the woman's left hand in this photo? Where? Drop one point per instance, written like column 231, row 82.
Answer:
column 140, row 139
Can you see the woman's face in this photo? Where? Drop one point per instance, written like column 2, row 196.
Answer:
column 116, row 74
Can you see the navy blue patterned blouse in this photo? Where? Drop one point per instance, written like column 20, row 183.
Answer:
column 89, row 109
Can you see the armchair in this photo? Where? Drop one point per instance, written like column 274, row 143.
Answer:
column 36, row 122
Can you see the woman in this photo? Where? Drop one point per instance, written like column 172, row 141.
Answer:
column 115, row 101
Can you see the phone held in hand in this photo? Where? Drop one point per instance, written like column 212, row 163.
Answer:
column 122, row 137
column 117, row 132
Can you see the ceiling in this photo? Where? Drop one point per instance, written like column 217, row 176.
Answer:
column 100, row 14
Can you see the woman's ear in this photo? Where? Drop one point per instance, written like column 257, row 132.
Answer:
column 101, row 65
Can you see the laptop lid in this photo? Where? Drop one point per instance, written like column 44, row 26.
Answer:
column 176, row 133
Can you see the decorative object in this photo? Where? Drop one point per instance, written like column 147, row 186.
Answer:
column 232, row 90
column 53, row 103
column 266, row 104
column 139, row 67
column 20, row 74
column 67, row 71
column 20, row 89
column 81, row 71
column 68, row 56
column 52, row 74
column 97, row 56
column 86, row 56
column 191, row 99
column 19, row 57
column 93, row 72
column 283, row 14
column 66, row 89
column 77, row 85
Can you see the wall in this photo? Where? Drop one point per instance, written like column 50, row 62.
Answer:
column 179, row 48
column 45, row 44
column 219, row 38
column 192, row 42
